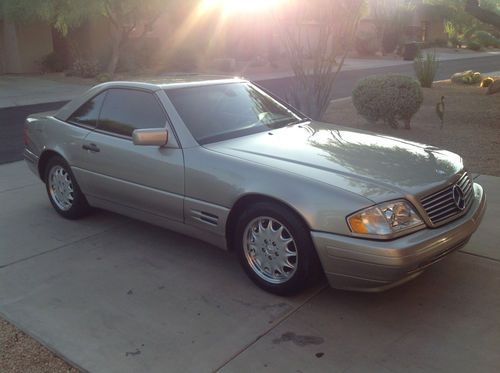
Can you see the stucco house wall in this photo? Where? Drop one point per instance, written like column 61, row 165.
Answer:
column 23, row 46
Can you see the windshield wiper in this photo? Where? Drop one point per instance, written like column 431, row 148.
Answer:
column 275, row 125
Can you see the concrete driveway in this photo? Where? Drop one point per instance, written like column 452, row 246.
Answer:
column 110, row 294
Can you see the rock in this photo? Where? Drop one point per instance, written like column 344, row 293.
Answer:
column 466, row 77
column 487, row 82
column 494, row 87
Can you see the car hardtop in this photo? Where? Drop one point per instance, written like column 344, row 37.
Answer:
column 149, row 84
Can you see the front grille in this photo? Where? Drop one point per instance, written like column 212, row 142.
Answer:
column 441, row 206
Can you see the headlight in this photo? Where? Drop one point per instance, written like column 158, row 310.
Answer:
column 384, row 219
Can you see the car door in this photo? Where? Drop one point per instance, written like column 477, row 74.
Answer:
column 70, row 137
column 146, row 178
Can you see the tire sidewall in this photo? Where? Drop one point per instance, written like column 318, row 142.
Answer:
column 300, row 233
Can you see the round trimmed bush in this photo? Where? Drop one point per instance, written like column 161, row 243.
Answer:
column 389, row 98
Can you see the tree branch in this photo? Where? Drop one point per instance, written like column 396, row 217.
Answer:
column 472, row 7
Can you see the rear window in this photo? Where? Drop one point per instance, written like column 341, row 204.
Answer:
column 219, row 112
column 87, row 114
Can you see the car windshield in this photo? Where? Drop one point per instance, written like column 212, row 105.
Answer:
column 223, row 111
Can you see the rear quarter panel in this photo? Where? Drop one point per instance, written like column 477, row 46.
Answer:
column 50, row 134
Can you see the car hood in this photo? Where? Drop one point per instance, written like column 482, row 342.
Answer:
column 375, row 166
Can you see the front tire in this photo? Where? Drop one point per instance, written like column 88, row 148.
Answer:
column 63, row 191
column 275, row 249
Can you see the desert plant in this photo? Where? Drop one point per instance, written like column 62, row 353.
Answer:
column 452, row 32
column 389, row 98
column 473, row 45
column 316, row 59
column 426, row 68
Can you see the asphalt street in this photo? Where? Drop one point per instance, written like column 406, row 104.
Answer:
column 11, row 119
column 11, row 128
column 346, row 81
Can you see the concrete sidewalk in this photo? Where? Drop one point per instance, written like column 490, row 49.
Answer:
column 20, row 90
column 111, row 294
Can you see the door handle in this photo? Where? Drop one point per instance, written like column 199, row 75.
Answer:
column 91, row 147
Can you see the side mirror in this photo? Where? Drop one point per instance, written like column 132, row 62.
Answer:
column 150, row 136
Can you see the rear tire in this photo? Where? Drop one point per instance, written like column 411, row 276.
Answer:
column 63, row 190
column 275, row 249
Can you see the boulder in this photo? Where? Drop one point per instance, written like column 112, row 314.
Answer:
column 466, row 77
column 487, row 82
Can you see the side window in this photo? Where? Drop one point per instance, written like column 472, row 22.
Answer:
column 125, row 110
column 87, row 114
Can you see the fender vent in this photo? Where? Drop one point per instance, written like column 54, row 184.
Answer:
column 205, row 217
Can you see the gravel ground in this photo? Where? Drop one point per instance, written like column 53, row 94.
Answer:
column 471, row 126
column 20, row 353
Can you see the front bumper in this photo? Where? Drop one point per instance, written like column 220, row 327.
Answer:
column 370, row 265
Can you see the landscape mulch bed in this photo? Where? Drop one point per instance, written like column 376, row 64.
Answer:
column 471, row 126
column 19, row 353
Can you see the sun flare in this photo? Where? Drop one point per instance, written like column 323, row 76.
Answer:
column 239, row 6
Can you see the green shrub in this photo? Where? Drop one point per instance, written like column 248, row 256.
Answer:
column 366, row 44
column 388, row 97
column 426, row 68
column 473, row 45
column 53, row 63
column 85, row 68
column 485, row 39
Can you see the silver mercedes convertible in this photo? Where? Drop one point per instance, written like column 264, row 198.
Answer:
column 225, row 161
